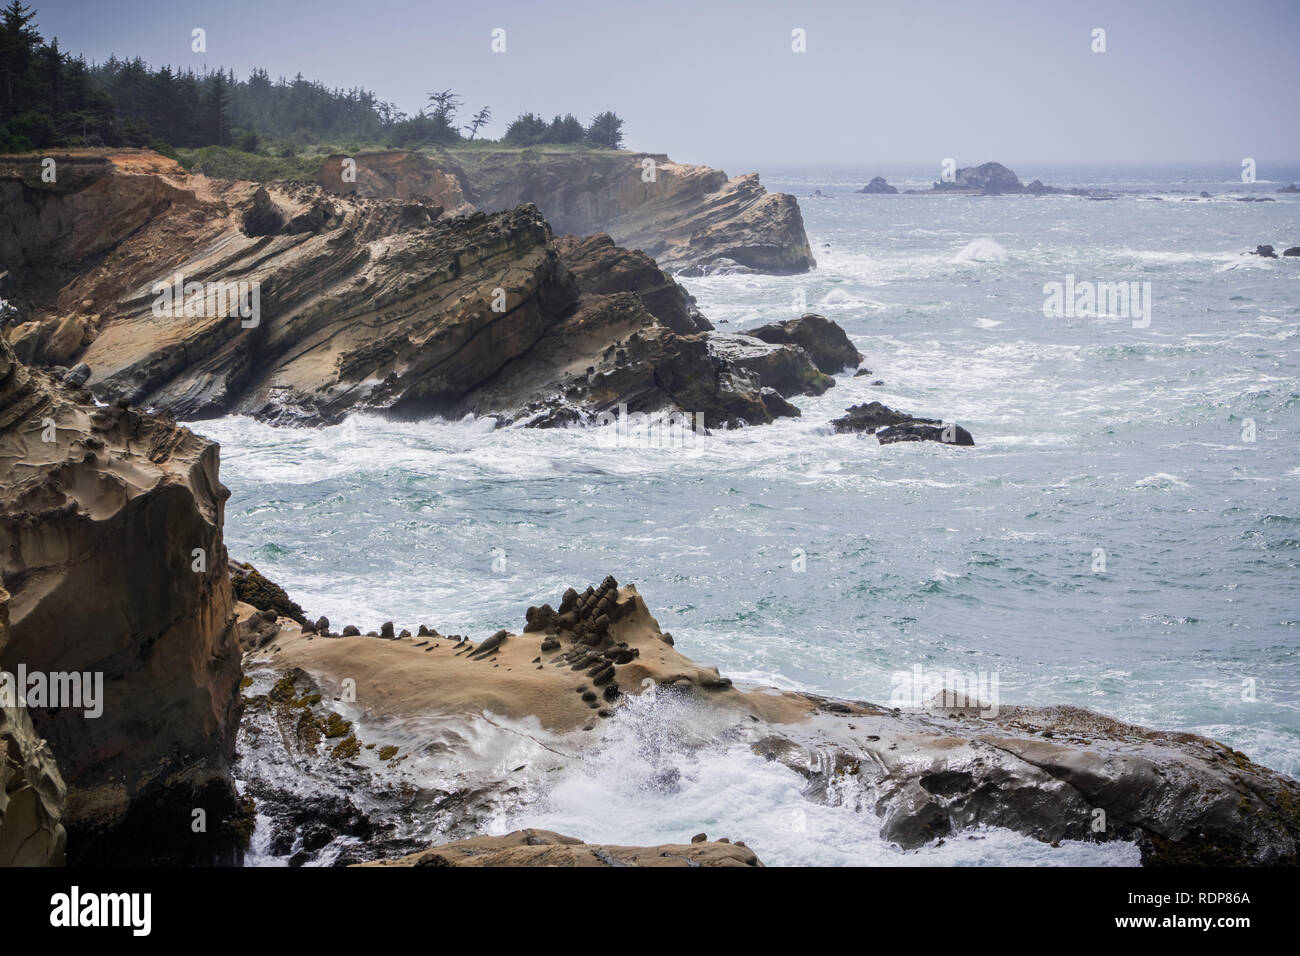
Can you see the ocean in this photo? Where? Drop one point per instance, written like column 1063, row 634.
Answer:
column 1123, row 536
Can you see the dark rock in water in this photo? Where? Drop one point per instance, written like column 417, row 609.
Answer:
column 386, row 631
column 873, row 415
column 891, row 426
column 822, row 339
column 77, row 376
column 923, row 431
column 776, row 404
column 991, row 179
column 1205, row 195
column 785, row 368
column 1265, row 251
column 1036, row 188
column 1293, row 188
column 322, row 625
column 1293, row 251
column 1256, row 199
column 879, row 187
column 351, row 631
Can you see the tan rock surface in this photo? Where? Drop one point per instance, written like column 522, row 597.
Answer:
column 545, row 848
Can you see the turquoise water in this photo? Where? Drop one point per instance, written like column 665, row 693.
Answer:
column 801, row 558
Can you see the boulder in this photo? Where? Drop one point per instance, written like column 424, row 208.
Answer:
column 1265, row 251
column 822, row 339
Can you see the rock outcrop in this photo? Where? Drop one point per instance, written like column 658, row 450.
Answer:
column 602, row 268
column 111, row 548
column 988, row 179
column 396, row 174
column 545, row 848
column 690, row 219
column 889, row 426
column 879, row 187
column 33, row 798
column 286, row 303
column 915, row 773
column 823, row 340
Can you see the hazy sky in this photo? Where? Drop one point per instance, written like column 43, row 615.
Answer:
column 717, row 82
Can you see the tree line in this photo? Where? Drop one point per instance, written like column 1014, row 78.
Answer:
column 49, row 98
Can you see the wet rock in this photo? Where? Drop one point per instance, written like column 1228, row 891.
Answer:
column 923, row 431
column 822, row 339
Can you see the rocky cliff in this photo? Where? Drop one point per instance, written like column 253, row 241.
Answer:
column 915, row 774
column 205, row 297
column 33, row 797
column 111, row 548
column 690, row 219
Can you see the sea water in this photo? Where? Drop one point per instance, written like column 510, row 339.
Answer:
column 1123, row 536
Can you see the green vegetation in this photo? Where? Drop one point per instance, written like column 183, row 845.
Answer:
column 256, row 128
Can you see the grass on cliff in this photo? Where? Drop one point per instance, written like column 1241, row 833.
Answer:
column 225, row 162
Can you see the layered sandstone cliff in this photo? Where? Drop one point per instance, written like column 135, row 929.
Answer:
column 111, row 548
column 690, row 219
column 205, row 297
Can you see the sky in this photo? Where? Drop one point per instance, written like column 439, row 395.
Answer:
column 714, row 81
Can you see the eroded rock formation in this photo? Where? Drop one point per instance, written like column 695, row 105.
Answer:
column 385, row 305
column 111, row 548
column 690, row 219
column 33, row 797
column 915, row 774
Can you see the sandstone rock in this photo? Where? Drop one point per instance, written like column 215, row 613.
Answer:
column 602, row 268
column 111, row 545
column 690, row 219
column 364, row 304
column 33, row 797
column 546, row 848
